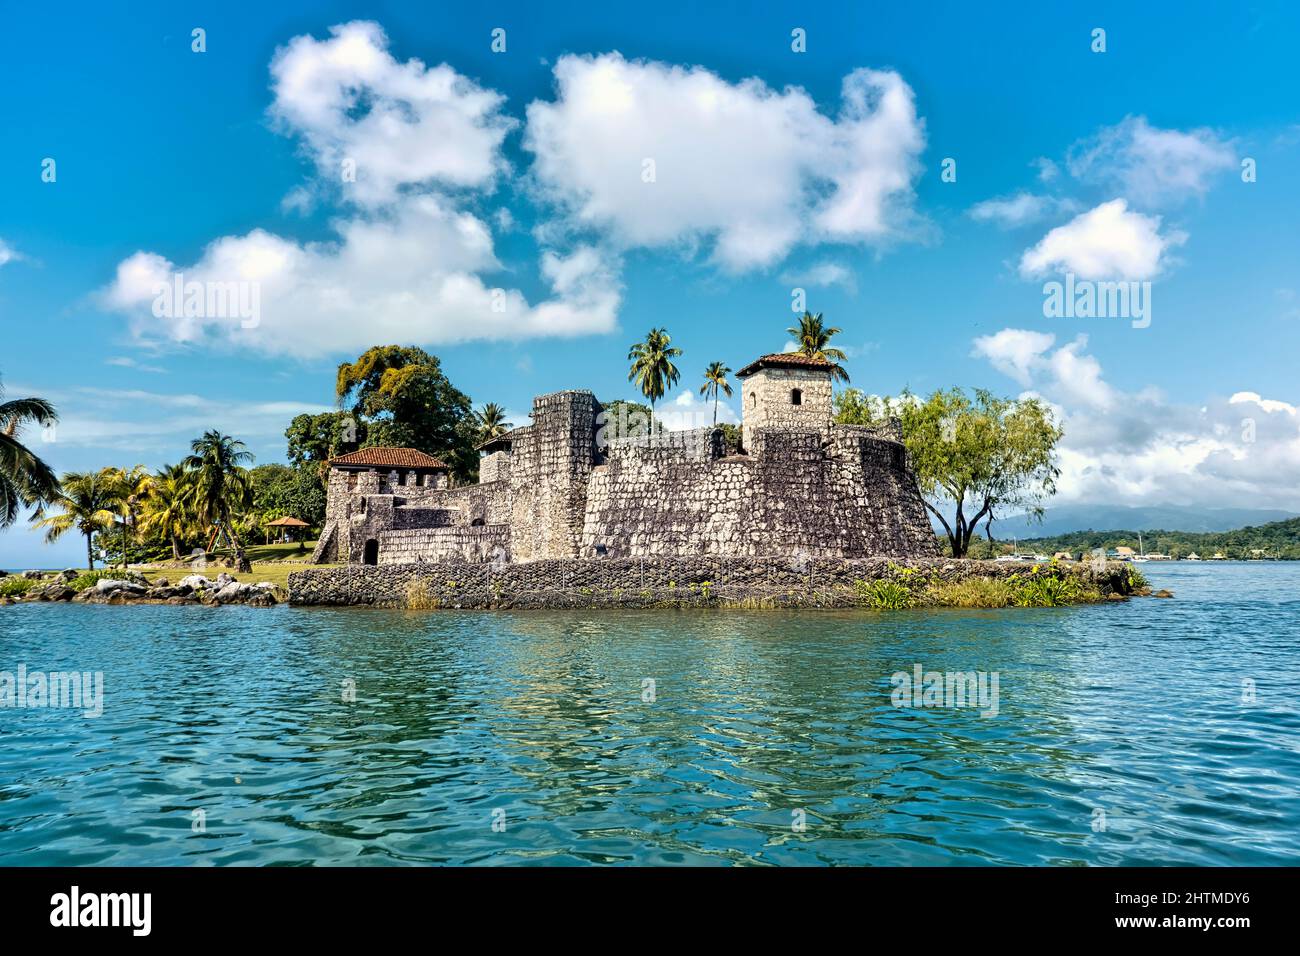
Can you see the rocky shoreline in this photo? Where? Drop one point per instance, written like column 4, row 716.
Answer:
column 879, row 583
column 875, row 583
column 133, row 588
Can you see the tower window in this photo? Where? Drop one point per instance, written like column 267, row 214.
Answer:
column 796, row 397
column 753, row 399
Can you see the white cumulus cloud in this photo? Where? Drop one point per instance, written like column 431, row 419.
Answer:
column 1109, row 241
column 689, row 410
column 1149, row 165
column 823, row 275
column 1019, row 210
column 398, row 123
column 752, row 170
column 409, row 260
column 1135, row 447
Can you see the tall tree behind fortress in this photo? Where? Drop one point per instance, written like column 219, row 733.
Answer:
column 407, row 402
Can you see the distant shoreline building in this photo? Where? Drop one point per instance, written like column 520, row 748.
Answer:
column 800, row 486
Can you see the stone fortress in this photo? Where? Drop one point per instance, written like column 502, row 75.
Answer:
column 799, row 486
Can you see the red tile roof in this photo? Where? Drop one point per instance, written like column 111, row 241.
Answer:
column 385, row 457
column 785, row 360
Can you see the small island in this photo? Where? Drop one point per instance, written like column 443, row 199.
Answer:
column 583, row 509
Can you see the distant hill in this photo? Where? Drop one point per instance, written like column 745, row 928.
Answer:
column 1069, row 518
column 1277, row 539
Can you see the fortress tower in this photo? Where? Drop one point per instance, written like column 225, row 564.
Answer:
column 784, row 390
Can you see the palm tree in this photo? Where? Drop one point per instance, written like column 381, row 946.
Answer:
column 490, row 421
column 220, row 486
column 652, row 366
column 86, row 501
column 132, row 487
column 167, row 509
column 25, row 480
column 715, row 378
column 813, row 340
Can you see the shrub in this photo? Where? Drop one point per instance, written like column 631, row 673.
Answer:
column 884, row 595
column 973, row 592
column 420, row 597
column 1048, row 591
column 14, row 586
column 1137, row 581
column 88, row 580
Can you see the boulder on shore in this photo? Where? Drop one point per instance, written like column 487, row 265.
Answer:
column 109, row 585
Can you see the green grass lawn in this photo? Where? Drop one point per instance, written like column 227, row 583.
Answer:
column 279, row 552
column 271, row 562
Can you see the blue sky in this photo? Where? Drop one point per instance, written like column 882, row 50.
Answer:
column 521, row 173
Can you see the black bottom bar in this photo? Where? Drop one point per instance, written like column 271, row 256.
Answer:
column 335, row 905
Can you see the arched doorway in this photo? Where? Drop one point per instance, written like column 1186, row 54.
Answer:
column 370, row 554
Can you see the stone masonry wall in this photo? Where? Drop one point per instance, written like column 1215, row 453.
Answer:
column 367, row 505
column 840, row 492
column 494, row 467
column 645, row 582
column 485, row 503
column 551, row 461
column 448, row 545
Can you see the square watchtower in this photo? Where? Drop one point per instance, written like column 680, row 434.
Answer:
column 785, row 390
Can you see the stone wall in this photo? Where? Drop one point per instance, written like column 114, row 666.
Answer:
column 484, row 503
column 838, row 492
column 450, row 545
column 494, row 467
column 646, row 582
column 551, row 461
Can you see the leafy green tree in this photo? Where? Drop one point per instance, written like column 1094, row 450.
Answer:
column 624, row 419
column 715, row 379
column 812, row 338
column 407, row 401
column 652, row 368
column 281, row 491
column 731, row 437
column 25, row 480
column 221, row 489
column 87, row 502
column 985, row 455
column 315, row 439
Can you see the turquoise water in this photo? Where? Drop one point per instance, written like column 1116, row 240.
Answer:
column 536, row 721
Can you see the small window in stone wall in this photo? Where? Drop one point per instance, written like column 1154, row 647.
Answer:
column 753, row 399
column 796, row 397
